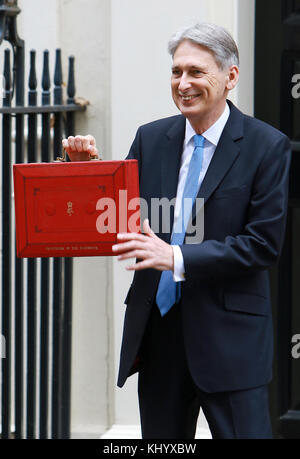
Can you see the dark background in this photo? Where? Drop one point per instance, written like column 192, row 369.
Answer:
column 277, row 59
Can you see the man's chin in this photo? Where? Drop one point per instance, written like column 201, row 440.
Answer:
column 192, row 112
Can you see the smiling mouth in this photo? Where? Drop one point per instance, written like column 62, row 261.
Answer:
column 187, row 98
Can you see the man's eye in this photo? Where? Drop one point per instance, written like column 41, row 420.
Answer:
column 197, row 72
column 175, row 72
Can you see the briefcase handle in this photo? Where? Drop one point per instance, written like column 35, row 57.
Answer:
column 63, row 158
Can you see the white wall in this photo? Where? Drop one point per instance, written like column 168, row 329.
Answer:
column 85, row 33
column 245, row 38
column 40, row 28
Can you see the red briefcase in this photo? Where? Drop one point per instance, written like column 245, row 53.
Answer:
column 74, row 209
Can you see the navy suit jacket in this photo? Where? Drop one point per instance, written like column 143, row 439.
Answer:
column 226, row 310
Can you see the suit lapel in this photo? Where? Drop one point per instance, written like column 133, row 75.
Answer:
column 225, row 155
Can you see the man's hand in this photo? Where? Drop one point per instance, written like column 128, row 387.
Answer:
column 80, row 148
column 153, row 251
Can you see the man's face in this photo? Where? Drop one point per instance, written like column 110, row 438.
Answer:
column 199, row 86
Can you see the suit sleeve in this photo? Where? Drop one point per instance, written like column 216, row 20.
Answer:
column 260, row 243
column 134, row 152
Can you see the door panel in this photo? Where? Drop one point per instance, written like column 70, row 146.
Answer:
column 277, row 101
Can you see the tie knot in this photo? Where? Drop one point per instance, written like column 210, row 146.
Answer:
column 198, row 140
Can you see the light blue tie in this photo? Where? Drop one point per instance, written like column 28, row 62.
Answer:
column 168, row 292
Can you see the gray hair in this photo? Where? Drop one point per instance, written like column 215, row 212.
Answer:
column 211, row 36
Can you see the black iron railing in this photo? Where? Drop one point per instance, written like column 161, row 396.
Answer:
column 36, row 295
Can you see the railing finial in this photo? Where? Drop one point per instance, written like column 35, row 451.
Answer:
column 71, row 81
column 8, row 21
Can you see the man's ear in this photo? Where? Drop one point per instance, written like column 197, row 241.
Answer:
column 232, row 77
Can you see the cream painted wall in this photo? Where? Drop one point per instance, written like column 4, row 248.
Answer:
column 245, row 38
column 40, row 28
column 85, row 32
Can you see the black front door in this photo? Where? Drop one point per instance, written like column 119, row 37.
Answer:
column 277, row 101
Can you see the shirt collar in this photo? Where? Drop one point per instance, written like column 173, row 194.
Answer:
column 212, row 134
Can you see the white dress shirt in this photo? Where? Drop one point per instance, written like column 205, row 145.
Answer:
column 212, row 137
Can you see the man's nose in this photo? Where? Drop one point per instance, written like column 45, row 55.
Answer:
column 184, row 83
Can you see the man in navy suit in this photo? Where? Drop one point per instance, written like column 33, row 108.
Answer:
column 198, row 323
